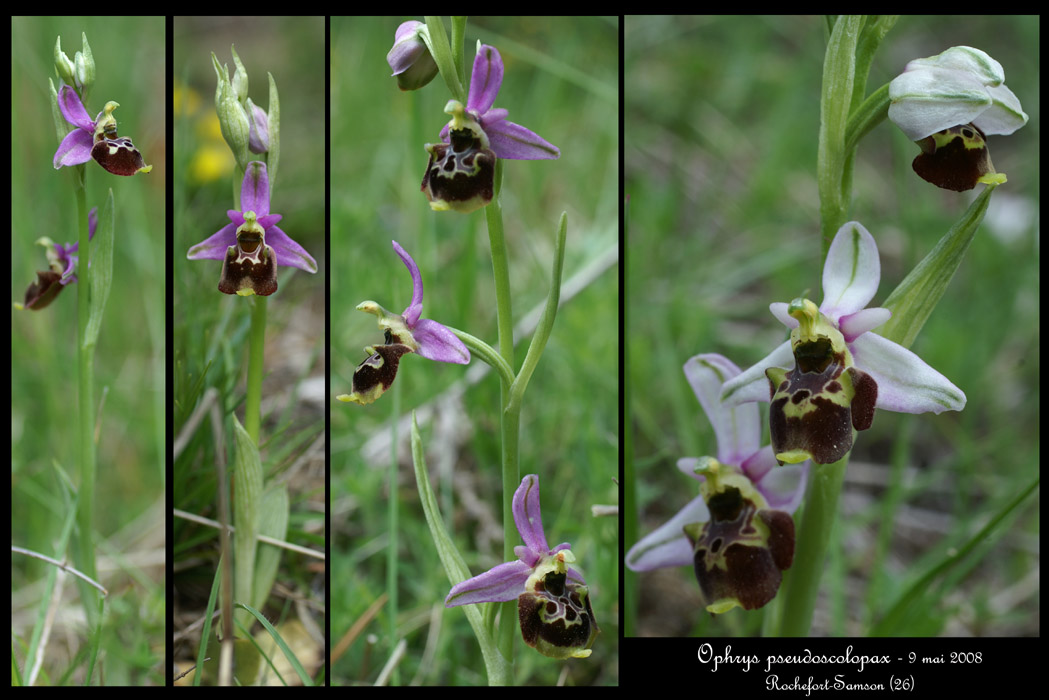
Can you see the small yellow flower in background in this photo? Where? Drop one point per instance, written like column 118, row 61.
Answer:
column 211, row 160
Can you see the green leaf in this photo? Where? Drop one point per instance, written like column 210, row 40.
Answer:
column 891, row 623
column 272, row 523
column 273, row 120
column 61, row 126
column 247, row 500
column 288, row 653
column 61, row 544
column 95, row 639
column 84, row 62
column 459, row 45
column 498, row 668
column 487, row 354
column 546, row 321
column 868, row 115
column 233, row 120
column 913, row 301
column 839, row 73
column 205, row 633
column 437, row 41
column 101, row 277
column 875, row 28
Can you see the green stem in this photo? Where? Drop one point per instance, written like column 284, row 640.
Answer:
column 487, row 354
column 459, row 46
column 437, row 41
column 839, row 75
column 511, row 428
column 868, row 115
column 510, row 418
column 813, row 535
column 392, row 516
column 501, row 271
column 629, row 490
column 834, row 177
column 253, row 400
column 85, row 396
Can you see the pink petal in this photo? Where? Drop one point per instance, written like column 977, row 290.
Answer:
column 485, row 80
column 498, row 584
column 737, row 428
column 289, row 253
column 73, row 109
column 415, row 309
column 74, row 149
column 906, row 383
column 515, row 142
column 214, row 247
column 851, row 272
column 527, row 516
column 437, row 342
column 667, row 544
column 255, row 190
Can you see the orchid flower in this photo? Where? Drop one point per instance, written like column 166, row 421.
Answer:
column 95, row 139
column 251, row 247
column 62, row 263
column 738, row 534
column 553, row 601
column 833, row 372
column 404, row 333
column 460, row 174
column 948, row 104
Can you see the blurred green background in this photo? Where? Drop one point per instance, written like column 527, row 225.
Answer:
column 561, row 81
column 722, row 115
column 210, row 341
column 129, row 55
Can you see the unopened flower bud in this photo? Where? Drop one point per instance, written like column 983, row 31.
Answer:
column 240, row 77
column 64, row 68
column 233, row 120
column 410, row 59
column 259, row 136
column 84, row 64
column 78, row 73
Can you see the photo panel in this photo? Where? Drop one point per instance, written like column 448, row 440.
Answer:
column 474, row 192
